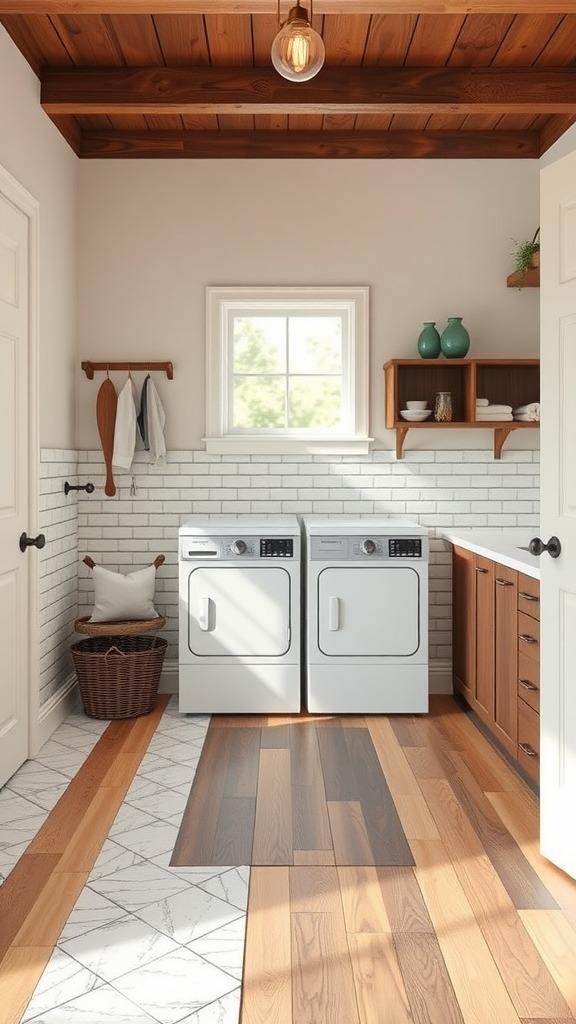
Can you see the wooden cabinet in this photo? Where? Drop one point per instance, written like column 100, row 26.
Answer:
column 512, row 382
column 506, row 657
column 496, row 651
column 529, row 675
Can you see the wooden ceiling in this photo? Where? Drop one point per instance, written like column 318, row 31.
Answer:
column 402, row 78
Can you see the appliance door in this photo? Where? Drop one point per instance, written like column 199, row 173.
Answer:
column 369, row 612
column 239, row 612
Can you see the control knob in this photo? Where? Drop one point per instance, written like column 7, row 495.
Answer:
column 368, row 547
column 239, row 547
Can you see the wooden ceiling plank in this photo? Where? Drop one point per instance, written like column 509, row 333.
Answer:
column 313, row 145
column 388, row 39
column 342, row 91
column 89, row 40
column 553, row 129
column 138, row 40
column 229, row 40
column 223, row 7
column 345, row 39
column 38, row 41
column 182, row 40
column 433, row 41
column 479, row 40
column 526, row 39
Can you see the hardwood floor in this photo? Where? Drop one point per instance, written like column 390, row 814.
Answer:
column 480, row 930
column 395, row 870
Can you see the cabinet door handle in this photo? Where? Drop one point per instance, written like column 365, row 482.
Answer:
column 527, row 638
column 528, row 749
column 503, row 583
column 478, row 569
column 527, row 597
column 527, row 684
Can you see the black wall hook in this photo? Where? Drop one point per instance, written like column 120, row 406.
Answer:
column 78, row 487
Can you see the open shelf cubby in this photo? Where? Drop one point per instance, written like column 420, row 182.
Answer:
column 511, row 381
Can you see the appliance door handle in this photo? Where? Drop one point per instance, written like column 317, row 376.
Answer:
column 333, row 613
column 204, row 616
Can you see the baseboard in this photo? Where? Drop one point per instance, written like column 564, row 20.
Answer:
column 53, row 713
column 440, row 676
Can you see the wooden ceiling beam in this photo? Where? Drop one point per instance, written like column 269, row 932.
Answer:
column 335, row 90
column 406, row 7
column 333, row 145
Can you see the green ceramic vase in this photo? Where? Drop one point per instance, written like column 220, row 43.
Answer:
column 429, row 341
column 454, row 340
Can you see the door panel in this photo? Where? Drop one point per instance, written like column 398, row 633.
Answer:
column 558, row 514
column 14, row 492
column 239, row 612
column 369, row 612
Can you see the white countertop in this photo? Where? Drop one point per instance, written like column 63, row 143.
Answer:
column 504, row 546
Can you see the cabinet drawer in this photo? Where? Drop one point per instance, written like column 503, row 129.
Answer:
column 528, row 636
column 529, row 596
column 529, row 681
column 529, row 740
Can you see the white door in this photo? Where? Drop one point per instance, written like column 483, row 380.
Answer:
column 558, row 514
column 15, row 329
column 239, row 612
column 372, row 612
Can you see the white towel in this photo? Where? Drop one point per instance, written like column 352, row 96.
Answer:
column 480, row 402
column 528, row 413
column 496, row 408
column 156, row 418
column 125, row 429
column 493, row 417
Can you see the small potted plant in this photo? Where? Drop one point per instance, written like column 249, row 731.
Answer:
column 526, row 255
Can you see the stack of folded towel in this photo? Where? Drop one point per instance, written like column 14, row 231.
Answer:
column 485, row 411
column 528, row 413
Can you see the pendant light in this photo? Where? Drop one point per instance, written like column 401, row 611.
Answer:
column 297, row 51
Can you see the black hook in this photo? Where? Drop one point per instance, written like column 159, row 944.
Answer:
column 78, row 487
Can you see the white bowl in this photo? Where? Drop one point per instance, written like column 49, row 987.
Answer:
column 416, row 405
column 415, row 415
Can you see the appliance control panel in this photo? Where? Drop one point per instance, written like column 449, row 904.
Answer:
column 405, row 547
column 277, row 547
column 366, row 548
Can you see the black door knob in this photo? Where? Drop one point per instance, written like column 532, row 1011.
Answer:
column 553, row 547
column 31, row 542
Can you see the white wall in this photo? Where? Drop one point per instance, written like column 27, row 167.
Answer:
column 36, row 155
column 431, row 238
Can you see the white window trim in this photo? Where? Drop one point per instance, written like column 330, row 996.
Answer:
column 218, row 442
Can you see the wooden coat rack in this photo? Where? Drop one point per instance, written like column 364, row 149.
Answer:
column 89, row 367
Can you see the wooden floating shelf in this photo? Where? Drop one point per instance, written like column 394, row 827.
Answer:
column 531, row 279
column 90, row 367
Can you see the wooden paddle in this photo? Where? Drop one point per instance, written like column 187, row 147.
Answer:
column 106, row 403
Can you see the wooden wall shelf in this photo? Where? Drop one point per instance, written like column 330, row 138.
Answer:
column 531, row 279
column 512, row 382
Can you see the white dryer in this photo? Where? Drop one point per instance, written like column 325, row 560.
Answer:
column 366, row 615
column 239, row 614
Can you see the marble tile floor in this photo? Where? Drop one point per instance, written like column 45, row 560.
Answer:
column 145, row 943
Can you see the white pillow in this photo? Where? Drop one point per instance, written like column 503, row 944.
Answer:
column 122, row 598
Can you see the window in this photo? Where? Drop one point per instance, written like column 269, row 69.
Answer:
column 287, row 369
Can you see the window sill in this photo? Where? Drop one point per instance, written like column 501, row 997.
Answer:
column 287, row 446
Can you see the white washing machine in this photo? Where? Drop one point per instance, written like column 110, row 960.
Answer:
column 366, row 615
column 239, row 614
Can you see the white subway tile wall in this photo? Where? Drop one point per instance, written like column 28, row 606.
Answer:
column 436, row 489
column 57, row 568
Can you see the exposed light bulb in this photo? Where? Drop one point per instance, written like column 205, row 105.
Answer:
column 298, row 50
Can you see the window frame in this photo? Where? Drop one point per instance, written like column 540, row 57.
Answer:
column 220, row 302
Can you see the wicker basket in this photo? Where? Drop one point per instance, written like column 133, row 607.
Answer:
column 119, row 675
